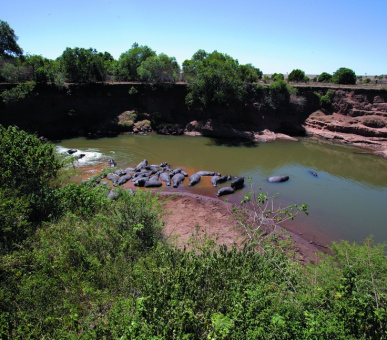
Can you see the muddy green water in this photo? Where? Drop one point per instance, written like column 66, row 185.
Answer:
column 347, row 200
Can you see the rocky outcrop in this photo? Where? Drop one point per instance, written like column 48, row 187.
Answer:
column 355, row 117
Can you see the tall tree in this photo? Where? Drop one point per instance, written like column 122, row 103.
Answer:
column 344, row 76
column 8, row 44
column 159, row 69
column 131, row 60
column 83, row 65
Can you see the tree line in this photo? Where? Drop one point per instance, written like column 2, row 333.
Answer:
column 139, row 63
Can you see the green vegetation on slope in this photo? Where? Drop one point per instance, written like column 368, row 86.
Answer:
column 95, row 268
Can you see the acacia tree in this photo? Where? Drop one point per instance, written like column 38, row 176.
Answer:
column 131, row 60
column 159, row 69
column 344, row 76
column 8, row 44
column 297, row 75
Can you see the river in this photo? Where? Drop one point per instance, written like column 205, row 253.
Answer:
column 346, row 200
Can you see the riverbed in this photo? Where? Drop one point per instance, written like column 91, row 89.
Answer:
column 346, row 200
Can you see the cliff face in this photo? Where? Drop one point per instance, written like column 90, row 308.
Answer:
column 356, row 116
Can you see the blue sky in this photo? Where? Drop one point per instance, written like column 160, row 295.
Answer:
column 274, row 35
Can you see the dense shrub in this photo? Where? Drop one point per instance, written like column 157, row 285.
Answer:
column 344, row 76
column 19, row 93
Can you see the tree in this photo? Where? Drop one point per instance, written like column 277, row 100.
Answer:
column 159, row 69
column 344, row 76
column 131, row 60
column 83, row 65
column 297, row 75
column 277, row 76
column 214, row 78
column 249, row 73
column 325, row 77
column 8, row 44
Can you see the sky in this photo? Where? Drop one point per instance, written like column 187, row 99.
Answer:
column 274, row 35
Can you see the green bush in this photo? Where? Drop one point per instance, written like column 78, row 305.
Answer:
column 325, row 77
column 297, row 75
column 19, row 93
column 344, row 76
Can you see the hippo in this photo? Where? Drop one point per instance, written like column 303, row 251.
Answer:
column 177, row 180
column 166, row 178
column 71, row 151
column 120, row 172
column 194, row 179
column 113, row 194
column 153, row 169
column 81, row 155
column 140, row 174
column 152, row 183
column 278, row 179
column 208, row 173
column 141, row 181
column 112, row 177
column 219, row 179
column 141, row 165
column 124, row 179
column 313, row 173
column 130, row 170
column 163, row 164
column 238, row 183
column 225, row 191
column 112, row 163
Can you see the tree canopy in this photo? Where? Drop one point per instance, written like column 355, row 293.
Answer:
column 344, row 76
column 159, row 69
column 217, row 78
column 296, row 75
column 8, row 41
column 131, row 60
column 83, row 65
column 325, row 77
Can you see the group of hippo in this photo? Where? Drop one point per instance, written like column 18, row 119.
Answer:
column 151, row 176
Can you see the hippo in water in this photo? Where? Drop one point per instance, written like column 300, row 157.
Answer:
column 238, row 183
column 177, row 179
column 71, row 151
column 112, row 163
column 219, row 179
column 194, row 179
column 225, row 191
column 278, row 179
column 313, row 173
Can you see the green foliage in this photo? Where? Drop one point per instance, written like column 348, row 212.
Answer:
column 325, row 77
column 326, row 99
column 159, row 69
column 367, row 80
column 214, row 79
column 249, row 73
column 132, row 91
column 280, row 92
column 27, row 166
column 297, row 75
column 344, row 76
column 8, row 41
column 277, row 76
column 19, row 93
column 83, row 65
column 131, row 60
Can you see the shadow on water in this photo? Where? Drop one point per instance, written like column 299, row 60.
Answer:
column 231, row 142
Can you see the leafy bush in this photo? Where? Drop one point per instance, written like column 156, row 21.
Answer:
column 325, row 77
column 159, row 69
column 367, row 80
column 344, row 76
column 280, row 93
column 297, row 75
column 18, row 93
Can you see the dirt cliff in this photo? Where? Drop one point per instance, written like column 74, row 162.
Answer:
column 354, row 116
